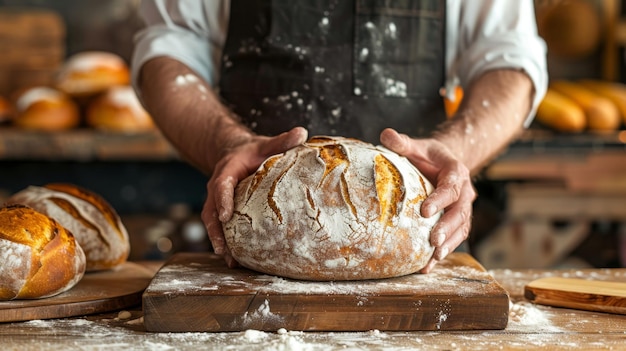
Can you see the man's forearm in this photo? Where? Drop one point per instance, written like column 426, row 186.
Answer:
column 491, row 115
column 188, row 112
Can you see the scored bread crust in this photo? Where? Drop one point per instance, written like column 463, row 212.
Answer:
column 332, row 209
column 40, row 258
column 95, row 224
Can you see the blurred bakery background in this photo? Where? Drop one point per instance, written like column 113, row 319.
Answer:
column 104, row 142
column 555, row 198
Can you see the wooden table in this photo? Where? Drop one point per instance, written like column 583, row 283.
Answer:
column 530, row 327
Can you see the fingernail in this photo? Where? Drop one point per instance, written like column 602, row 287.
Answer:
column 430, row 210
column 440, row 239
column 429, row 266
column 219, row 250
column 222, row 215
column 443, row 252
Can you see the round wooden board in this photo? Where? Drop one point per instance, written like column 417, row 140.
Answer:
column 96, row 293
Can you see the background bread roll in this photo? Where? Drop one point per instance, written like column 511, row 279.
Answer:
column 39, row 257
column 92, row 72
column 119, row 110
column 47, row 109
column 95, row 224
column 332, row 209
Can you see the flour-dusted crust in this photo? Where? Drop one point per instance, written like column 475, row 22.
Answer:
column 95, row 224
column 39, row 257
column 332, row 209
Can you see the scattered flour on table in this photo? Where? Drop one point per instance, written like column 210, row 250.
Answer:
column 524, row 314
column 76, row 327
column 461, row 281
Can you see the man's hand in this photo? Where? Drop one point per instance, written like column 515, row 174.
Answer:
column 454, row 192
column 236, row 163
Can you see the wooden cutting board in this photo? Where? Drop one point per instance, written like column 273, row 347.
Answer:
column 583, row 294
column 96, row 293
column 197, row 292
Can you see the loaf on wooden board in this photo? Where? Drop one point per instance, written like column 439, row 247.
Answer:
column 39, row 257
column 93, row 221
column 332, row 209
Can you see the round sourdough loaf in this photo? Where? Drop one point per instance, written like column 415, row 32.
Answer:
column 95, row 224
column 332, row 209
column 39, row 257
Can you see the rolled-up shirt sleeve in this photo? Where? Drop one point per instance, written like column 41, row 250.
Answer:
column 497, row 34
column 192, row 32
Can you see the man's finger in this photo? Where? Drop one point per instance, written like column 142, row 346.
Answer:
column 224, row 190
column 284, row 141
column 396, row 142
column 214, row 230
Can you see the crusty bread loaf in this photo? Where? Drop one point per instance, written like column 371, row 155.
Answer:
column 95, row 224
column 119, row 110
column 332, row 209
column 39, row 257
column 45, row 108
column 92, row 72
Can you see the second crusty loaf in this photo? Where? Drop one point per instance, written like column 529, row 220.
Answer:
column 95, row 224
column 39, row 257
column 332, row 209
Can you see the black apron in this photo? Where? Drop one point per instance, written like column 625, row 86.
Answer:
column 337, row 67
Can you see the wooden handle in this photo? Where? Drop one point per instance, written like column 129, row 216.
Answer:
column 591, row 295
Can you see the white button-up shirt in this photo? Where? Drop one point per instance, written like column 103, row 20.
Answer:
column 481, row 35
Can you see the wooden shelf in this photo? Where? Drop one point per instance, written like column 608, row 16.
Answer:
column 84, row 145
column 584, row 162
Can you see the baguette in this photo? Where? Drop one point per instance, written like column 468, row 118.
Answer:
column 613, row 91
column 601, row 113
column 561, row 113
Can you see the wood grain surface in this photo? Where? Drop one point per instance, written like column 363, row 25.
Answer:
column 584, row 294
column 197, row 292
column 530, row 327
column 97, row 292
